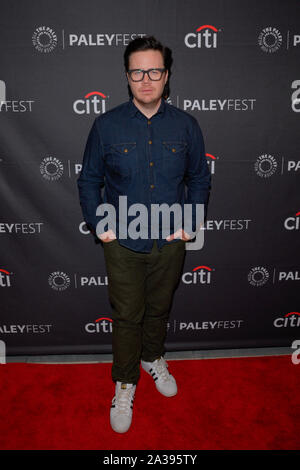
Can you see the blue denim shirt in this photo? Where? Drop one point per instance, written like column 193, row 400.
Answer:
column 151, row 161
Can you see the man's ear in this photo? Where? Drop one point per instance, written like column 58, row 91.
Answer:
column 166, row 77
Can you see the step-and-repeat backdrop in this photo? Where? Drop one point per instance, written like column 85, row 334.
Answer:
column 236, row 70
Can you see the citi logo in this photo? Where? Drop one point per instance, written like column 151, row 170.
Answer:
column 101, row 325
column 211, row 160
column 5, row 278
column 93, row 102
column 292, row 223
column 205, row 37
column 291, row 319
column 199, row 275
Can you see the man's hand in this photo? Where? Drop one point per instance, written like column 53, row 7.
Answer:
column 179, row 234
column 107, row 237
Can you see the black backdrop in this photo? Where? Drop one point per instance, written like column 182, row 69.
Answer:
column 236, row 69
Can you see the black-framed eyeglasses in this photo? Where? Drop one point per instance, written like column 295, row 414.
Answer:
column 137, row 75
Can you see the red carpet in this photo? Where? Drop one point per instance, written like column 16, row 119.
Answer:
column 240, row 403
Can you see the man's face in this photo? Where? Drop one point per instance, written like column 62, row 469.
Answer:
column 147, row 91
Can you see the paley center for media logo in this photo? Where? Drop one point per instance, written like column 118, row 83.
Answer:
column 44, row 39
column 267, row 165
column 260, row 275
column 51, row 168
column 270, row 40
column 59, row 281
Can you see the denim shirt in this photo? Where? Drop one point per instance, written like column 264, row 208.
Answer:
column 151, row 161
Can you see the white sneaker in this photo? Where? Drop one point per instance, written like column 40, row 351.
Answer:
column 121, row 407
column 164, row 381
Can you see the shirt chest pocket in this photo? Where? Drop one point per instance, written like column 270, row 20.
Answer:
column 174, row 157
column 123, row 158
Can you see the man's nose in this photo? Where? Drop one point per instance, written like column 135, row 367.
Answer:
column 146, row 78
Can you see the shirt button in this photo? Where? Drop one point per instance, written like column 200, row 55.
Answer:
column 125, row 150
column 152, row 186
column 151, row 163
column 149, row 122
column 173, row 150
column 150, row 142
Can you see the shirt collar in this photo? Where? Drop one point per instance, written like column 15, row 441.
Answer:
column 133, row 110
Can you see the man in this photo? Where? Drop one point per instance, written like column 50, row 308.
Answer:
column 149, row 151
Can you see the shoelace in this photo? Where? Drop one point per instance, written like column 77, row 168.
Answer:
column 123, row 400
column 161, row 368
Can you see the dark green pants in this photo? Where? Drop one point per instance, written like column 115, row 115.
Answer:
column 140, row 288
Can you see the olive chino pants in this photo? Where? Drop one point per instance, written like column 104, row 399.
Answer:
column 140, row 289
